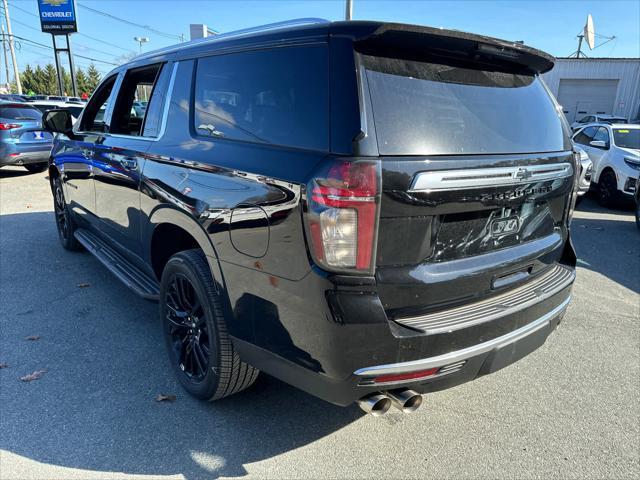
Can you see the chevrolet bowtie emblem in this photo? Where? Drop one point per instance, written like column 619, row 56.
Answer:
column 522, row 173
column 54, row 3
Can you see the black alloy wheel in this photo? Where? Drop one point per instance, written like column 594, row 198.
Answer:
column 608, row 189
column 187, row 328
column 64, row 222
column 195, row 330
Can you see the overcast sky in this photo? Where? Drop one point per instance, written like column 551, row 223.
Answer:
column 550, row 25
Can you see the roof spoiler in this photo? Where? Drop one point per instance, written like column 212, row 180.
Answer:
column 416, row 42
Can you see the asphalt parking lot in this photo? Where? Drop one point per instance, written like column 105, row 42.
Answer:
column 569, row 410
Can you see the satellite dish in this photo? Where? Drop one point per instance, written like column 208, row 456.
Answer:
column 590, row 32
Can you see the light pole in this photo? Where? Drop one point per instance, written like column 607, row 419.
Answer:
column 141, row 40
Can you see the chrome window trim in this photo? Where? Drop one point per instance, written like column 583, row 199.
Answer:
column 465, row 353
column 167, row 103
column 465, row 179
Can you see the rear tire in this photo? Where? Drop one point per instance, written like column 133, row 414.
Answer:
column 608, row 193
column 64, row 221
column 199, row 347
column 36, row 167
column 638, row 212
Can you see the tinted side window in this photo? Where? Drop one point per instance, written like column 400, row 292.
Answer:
column 602, row 134
column 93, row 117
column 585, row 136
column 275, row 96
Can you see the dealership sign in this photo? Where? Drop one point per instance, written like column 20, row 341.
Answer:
column 58, row 17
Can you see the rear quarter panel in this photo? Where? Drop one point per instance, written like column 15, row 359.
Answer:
column 244, row 198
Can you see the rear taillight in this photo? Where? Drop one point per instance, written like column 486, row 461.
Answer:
column 9, row 126
column 342, row 215
column 574, row 192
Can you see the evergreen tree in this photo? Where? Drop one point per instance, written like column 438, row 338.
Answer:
column 93, row 78
column 39, row 80
column 44, row 81
column 50, row 80
column 82, row 82
column 67, row 86
column 28, row 80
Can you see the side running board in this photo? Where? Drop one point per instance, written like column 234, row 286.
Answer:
column 127, row 273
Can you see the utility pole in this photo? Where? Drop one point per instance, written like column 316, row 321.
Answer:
column 11, row 48
column 348, row 11
column 6, row 60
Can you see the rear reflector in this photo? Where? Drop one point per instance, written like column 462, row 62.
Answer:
column 406, row 376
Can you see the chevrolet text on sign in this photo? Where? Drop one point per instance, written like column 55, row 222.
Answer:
column 58, row 16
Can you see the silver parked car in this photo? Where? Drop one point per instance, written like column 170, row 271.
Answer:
column 586, row 169
column 600, row 118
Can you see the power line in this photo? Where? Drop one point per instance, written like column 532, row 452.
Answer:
column 77, row 33
column 42, row 45
column 133, row 24
column 78, row 44
column 128, row 50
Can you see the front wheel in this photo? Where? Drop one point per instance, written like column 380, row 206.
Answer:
column 64, row 222
column 608, row 189
column 195, row 331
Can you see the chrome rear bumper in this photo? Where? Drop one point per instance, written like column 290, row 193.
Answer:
column 454, row 358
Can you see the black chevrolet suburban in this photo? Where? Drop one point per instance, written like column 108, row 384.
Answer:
column 368, row 211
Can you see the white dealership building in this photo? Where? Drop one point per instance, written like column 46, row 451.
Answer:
column 596, row 85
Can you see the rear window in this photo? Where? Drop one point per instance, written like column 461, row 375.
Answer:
column 275, row 96
column 20, row 113
column 627, row 137
column 422, row 108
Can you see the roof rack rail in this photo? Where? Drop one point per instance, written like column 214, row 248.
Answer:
column 236, row 33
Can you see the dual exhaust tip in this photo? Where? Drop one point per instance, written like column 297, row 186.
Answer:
column 377, row 404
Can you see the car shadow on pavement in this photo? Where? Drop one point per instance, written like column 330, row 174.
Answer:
column 610, row 247
column 95, row 408
column 11, row 173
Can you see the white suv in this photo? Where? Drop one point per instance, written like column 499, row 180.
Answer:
column 615, row 153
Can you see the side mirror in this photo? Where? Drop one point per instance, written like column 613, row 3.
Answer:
column 598, row 143
column 57, row 120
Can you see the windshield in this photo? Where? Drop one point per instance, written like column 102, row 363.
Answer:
column 20, row 113
column 426, row 108
column 627, row 137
